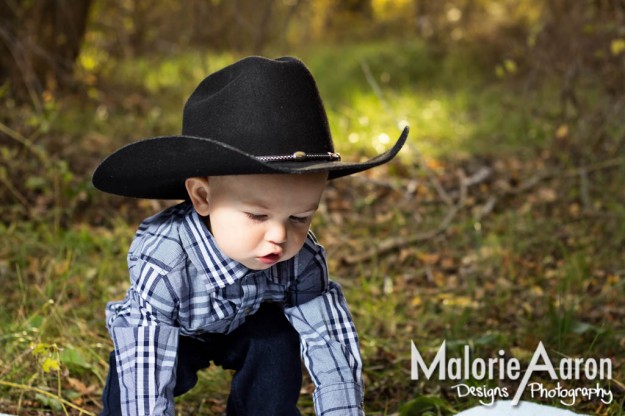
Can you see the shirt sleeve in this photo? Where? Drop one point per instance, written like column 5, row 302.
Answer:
column 329, row 342
column 146, row 343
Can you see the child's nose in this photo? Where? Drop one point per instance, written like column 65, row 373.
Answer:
column 276, row 232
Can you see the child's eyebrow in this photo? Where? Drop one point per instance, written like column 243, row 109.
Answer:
column 263, row 205
column 313, row 207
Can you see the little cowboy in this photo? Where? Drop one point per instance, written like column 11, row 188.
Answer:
column 233, row 275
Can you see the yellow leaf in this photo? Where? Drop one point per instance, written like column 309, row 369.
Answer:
column 448, row 263
column 547, row 194
column 510, row 66
column 40, row 348
column 537, row 291
column 433, row 164
column 428, row 258
column 617, row 46
column 80, row 387
column 562, row 132
column 613, row 279
column 50, row 364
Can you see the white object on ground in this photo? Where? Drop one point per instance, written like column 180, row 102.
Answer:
column 523, row 408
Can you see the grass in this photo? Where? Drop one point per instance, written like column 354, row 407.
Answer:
column 510, row 269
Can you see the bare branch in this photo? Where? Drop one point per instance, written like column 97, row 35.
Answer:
column 395, row 243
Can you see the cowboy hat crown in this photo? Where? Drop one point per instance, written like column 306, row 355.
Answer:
column 255, row 116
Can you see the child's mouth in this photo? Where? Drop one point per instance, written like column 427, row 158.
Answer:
column 269, row 258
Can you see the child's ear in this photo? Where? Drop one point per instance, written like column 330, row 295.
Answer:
column 198, row 191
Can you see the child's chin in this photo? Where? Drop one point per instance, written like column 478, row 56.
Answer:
column 255, row 264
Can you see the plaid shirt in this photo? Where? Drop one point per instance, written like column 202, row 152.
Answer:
column 181, row 284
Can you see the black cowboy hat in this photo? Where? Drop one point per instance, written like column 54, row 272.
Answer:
column 255, row 116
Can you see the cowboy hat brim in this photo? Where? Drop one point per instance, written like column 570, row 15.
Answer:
column 157, row 168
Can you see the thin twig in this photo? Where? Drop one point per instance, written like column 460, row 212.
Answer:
column 45, row 393
column 21, row 198
column 375, row 86
column 479, row 177
column 487, row 208
column 442, row 193
column 530, row 183
column 606, row 164
column 27, row 143
column 16, row 49
column 551, row 173
column 619, row 384
column 382, row 184
column 584, row 190
column 396, row 243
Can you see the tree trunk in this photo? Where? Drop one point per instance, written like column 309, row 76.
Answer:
column 39, row 42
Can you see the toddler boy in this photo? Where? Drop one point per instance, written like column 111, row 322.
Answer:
column 233, row 275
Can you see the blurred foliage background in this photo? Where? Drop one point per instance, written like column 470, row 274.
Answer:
column 501, row 224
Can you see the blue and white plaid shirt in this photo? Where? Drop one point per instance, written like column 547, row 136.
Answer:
column 181, row 284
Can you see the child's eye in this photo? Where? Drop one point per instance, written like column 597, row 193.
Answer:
column 300, row 220
column 256, row 217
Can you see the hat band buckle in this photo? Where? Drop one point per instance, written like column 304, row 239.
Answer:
column 300, row 156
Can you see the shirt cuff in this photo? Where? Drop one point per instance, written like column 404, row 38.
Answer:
column 343, row 399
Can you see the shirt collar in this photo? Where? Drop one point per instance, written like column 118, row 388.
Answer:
column 217, row 268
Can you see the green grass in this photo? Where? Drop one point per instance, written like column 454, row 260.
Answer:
column 545, row 264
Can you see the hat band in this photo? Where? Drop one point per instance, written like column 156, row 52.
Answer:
column 300, row 156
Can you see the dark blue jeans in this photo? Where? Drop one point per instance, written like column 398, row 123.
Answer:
column 264, row 352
